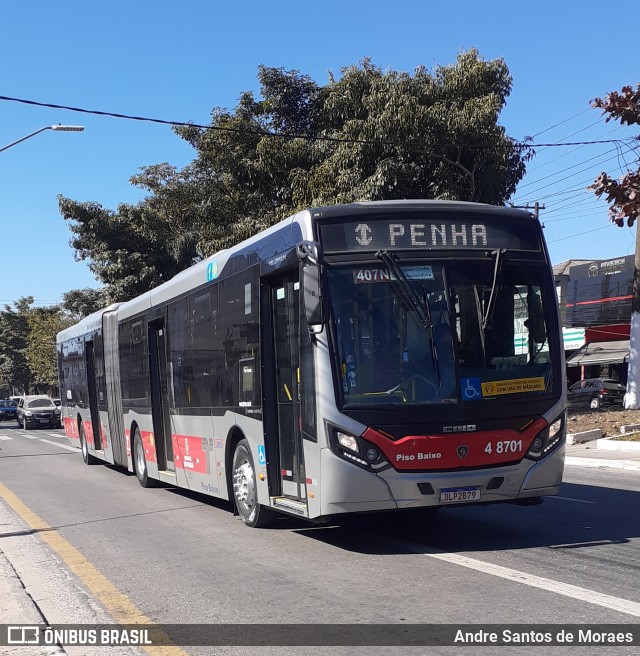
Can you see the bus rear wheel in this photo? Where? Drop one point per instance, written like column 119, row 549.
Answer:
column 245, row 495
column 140, row 462
column 84, row 447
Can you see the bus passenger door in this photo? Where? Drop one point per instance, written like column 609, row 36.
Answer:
column 159, row 396
column 285, row 320
column 93, row 396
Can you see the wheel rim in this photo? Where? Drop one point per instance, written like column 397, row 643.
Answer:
column 244, row 486
column 141, row 463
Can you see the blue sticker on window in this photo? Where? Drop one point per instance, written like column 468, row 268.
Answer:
column 471, row 389
column 262, row 457
column 212, row 270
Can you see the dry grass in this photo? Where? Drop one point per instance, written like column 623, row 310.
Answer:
column 609, row 421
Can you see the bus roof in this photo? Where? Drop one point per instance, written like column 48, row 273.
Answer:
column 272, row 241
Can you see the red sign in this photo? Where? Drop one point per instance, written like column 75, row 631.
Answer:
column 188, row 453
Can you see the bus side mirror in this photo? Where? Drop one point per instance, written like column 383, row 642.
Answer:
column 311, row 288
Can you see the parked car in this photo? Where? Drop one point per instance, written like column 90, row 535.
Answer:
column 7, row 410
column 595, row 393
column 38, row 410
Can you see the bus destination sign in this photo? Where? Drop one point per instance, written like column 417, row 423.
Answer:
column 479, row 233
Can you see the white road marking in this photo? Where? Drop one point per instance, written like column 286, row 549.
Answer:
column 570, row 499
column 566, row 589
column 62, row 446
column 57, row 434
column 5, row 437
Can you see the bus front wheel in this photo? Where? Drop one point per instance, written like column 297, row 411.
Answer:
column 245, row 494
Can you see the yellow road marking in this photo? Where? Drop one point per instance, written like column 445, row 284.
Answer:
column 119, row 606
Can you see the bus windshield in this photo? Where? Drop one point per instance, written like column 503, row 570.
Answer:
column 439, row 331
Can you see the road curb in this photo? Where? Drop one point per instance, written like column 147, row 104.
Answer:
column 584, row 436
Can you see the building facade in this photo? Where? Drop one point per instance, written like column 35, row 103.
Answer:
column 595, row 308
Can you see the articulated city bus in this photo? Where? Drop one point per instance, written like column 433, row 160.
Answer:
column 363, row 357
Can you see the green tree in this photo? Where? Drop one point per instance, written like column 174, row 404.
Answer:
column 43, row 326
column 131, row 250
column 80, row 303
column 368, row 135
column 15, row 374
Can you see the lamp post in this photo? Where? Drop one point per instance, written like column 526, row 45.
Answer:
column 57, row 128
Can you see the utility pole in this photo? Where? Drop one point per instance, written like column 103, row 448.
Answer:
column 632, row 397
column 535, row 210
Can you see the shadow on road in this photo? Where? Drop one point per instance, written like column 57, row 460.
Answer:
column 583, row 517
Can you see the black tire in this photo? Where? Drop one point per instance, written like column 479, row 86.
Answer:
column 250, row 511
column 140, row 462
column 84, row 447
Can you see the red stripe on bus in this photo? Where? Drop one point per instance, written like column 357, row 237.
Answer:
column 456, row 450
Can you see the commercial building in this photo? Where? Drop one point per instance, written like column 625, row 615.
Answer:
column 595, row 309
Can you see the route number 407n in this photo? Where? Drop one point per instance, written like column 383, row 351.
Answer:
column 506, row 446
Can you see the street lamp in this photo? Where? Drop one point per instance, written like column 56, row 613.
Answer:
column 57, row 128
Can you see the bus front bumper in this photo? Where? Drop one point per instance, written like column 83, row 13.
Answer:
column 349, row 488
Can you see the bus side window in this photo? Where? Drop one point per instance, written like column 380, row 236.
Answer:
column 239, row 332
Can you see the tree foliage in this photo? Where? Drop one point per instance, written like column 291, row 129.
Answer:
column 623, row 195
column 43, row 325
column 15, row 375
column 80, row 303
column 28, row 362
column 369, row 134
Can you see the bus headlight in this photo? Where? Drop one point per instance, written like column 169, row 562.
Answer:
column 356, row 450
column 347, row 441
column 548, row 439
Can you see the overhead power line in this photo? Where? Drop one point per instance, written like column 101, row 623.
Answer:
column 551, row 241
column 566, row 120
column 266, row 133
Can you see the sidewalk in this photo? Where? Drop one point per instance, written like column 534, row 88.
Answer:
column 37, row 589
column 587, row 455
column 17, row 607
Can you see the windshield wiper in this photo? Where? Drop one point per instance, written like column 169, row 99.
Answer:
column 488, row 313
column 420, row 305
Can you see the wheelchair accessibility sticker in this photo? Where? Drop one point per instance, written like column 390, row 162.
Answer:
column 262, row 458
column 471, row 389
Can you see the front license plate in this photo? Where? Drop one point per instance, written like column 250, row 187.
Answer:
column 459, row 494
column 44, row 421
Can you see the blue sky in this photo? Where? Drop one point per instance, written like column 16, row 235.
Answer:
column 177, row 61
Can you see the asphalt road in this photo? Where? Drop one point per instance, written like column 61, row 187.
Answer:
column 181, row 558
